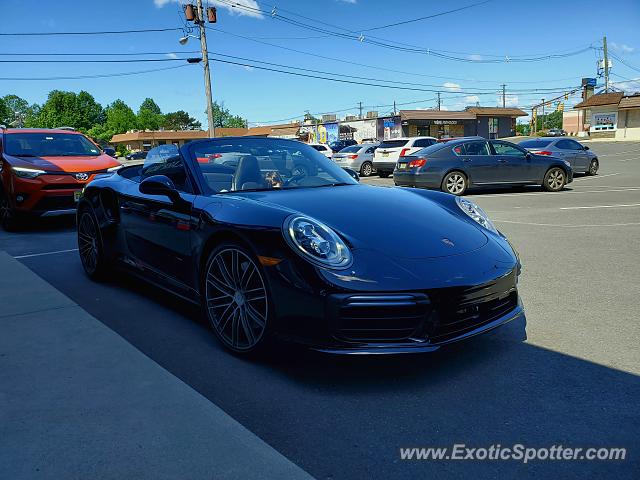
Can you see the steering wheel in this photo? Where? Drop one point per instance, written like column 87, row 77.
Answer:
column 298, row 173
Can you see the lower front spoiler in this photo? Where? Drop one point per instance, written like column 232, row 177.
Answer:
column 418, row 345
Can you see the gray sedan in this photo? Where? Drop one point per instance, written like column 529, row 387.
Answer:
column 582, row 160
column 357, row 157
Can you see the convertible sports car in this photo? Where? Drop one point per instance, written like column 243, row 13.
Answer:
column 274, row 240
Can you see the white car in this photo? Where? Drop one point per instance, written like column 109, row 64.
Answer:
column 322, row 148
column 389, row 151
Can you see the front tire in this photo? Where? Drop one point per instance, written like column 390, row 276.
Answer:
column 554, row 180
column 8, row 216
column 455, row 183
column 90, row 246
column 236, row 300
column 593, row 167
column 366, row 169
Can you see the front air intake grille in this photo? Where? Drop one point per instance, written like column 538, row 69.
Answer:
column 379, row 318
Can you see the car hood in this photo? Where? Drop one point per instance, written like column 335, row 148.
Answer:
column 395, row 221
column 66, row 164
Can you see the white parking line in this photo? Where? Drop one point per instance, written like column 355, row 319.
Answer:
column 589, row 225
column 595, row 177
column 523, row 194
column 602, row 206
column 45, row 253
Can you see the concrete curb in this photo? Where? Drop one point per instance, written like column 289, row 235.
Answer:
column 78, row 401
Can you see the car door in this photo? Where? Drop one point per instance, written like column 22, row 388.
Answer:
column 581, row 156
column 157, row 229
column 514, row 165
column 478, row 162
column 565, row 150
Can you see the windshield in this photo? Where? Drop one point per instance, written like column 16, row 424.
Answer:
column 257, row 164
column 49, row 145
column 393, row 143
column 535, row 143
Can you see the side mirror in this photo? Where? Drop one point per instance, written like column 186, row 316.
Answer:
column 353, row 173
column 159, row 185
column 585, row 147
column 527, row 155
column 109, row 151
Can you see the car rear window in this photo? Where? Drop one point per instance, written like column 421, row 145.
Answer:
column 352, row 149
column 535, row 143
column 393, row 143
column 431, row 149
column 320, row 148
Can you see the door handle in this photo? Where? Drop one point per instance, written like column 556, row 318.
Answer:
column 466, row 159
column 502, row 160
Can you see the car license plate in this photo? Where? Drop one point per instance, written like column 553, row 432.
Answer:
column 402, row 166
column 385, row 154
column 76, row 195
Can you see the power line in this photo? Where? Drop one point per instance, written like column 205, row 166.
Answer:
column 108, row 32
column 105, row 75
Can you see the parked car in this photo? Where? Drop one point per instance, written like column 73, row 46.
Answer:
column 357, row 157
column 389, row 151
column 340, row 144
column 556, row 132
column 43, row 171
column 455, row 166
column 140, row 155
column 272, row 254
column 322, row 148
column 582, row 159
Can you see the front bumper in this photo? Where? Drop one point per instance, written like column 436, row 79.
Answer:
column 47, row 195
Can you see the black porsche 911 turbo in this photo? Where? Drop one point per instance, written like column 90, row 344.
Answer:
column 275, row 241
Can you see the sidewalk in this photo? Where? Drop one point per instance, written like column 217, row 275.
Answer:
column 77, row 401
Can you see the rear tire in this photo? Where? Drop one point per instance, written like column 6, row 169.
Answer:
column 554, row 180
column 90, row 246
column 455, row 183
column 236, row 300
column 593, row 167
column 366, row 169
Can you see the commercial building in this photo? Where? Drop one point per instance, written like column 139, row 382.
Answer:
column 145, row 140
column 606, row 115
column 487, row 122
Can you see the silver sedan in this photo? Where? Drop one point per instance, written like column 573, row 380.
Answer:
column 357, row 157
column 582, row 159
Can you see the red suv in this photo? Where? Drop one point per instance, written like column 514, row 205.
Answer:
column 43, row 171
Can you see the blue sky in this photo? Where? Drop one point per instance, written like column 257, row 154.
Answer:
column 500, row 28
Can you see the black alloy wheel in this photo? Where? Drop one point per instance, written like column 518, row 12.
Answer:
column 236, row 299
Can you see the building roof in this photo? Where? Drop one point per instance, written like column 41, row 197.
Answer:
column 497, row 111
column 159, row 135
column 272, row 129
column 612, row 98
column 230, row 131
column 435, row 115
column 632, row 101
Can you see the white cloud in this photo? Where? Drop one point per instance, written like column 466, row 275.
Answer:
column 443, row 107
column 452, row 87
column 248, row 8
column 510, row 100
column 621, row 47
column 628, row 87
column 248, row 68
column 348, row 1
column 172, row 55
column 475, row 57
column 472, row 99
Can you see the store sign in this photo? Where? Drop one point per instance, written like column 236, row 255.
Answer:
column 445, row 122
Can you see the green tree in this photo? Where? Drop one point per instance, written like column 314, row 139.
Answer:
column 4, row 112
column 80, row 111
column 551, row 120
column 222, row 118
column 120, row 118
column 180, row 120
column 19, row 112
column 149, row 115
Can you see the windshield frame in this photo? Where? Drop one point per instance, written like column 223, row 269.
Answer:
column 188, row 152
column 11, row 137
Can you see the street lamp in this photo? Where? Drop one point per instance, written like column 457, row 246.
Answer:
column 185, row 39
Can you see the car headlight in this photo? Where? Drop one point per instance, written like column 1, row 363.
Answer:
column 316, row 242
column 476, row 213
column 113, row 169
column 22, row 172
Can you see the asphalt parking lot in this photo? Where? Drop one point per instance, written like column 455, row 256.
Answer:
column 574, row 381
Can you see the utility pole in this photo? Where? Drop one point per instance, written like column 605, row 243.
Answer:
column 394, row 107
column 205, row 64
column 504, row 96
column 606, row 64
column 543, row 116
column 360, row 106
column 438, row 100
